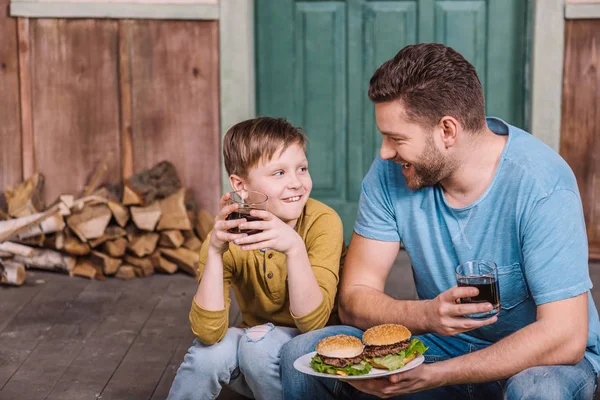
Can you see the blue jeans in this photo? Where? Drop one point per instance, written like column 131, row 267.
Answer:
column 247, row 360
column 544, row 383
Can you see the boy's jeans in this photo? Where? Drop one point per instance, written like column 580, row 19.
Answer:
column 547, row 383
column 247, row 360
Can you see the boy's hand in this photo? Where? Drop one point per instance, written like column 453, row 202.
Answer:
column 276, row 234
column 220, row 237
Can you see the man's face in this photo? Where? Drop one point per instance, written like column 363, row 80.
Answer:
column 285, row 180
column 417, row 148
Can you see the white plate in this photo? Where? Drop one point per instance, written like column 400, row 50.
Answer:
column 302, row 364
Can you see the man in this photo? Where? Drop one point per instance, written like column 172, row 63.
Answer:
column 453, row 187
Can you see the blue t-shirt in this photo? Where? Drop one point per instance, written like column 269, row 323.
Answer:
column 529, row 221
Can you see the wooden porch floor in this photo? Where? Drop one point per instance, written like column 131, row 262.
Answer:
column 67, row 338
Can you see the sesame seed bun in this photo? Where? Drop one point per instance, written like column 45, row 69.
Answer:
column 386, row 334
column 340, row 346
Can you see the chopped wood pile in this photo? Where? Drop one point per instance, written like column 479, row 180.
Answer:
column 150, row 224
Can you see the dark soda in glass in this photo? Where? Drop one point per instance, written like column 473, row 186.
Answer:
column 243, row 213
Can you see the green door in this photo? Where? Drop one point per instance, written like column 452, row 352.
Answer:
column 315, row 58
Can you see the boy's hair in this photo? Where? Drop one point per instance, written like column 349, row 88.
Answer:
column 432, row 80
column 248, row 142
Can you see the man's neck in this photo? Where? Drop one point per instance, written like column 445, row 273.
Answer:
column 477, row 165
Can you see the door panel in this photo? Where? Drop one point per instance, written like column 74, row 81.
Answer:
column 315, row 59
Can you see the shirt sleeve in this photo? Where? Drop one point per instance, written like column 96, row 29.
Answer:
column 324, row 246
column 211, row 326
column 376, row 217
column 555, row 250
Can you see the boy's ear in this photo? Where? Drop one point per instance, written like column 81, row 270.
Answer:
column 237, row 182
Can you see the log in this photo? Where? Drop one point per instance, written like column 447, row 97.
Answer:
column 48, row 260
column 34, row 241
column 55, row 241
column 187, row 260
column 192, row 241
column 130, row 198
column 6, row 254
column 204, row 224
column 140, row 263
column 96, row 177
column 85, row 268
column 91, row 222
column 171, row 239
column 16, row 249
column 115, row 248
column 143, row 244
column 12, row 273
column 162, row 265
column 146, row 218
column 26, row 198
column 125, row 272
column 74, row 246
column 111, row 233
column 109, row 264
column 174, row 214
column 120, row 213
column 49, row 221
column 152, row 184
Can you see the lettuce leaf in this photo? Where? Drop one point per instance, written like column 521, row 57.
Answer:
column 357, row 369
column 396, row 361
column 391, row 361
column 416, row 346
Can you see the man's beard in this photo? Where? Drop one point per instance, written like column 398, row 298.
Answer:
column 430, row 170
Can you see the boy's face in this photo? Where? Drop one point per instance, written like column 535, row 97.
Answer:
column 286, row 180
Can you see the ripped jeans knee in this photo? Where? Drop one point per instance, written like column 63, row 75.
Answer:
column 258, row 333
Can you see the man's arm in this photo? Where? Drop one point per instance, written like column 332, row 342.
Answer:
column 558, row 336
column 363, row 302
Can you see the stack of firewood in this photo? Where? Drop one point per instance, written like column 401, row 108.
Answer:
column 150, row 224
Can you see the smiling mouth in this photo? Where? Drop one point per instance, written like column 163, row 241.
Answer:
column 292, row 199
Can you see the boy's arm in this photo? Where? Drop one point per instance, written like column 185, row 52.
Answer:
column 313, row 275
column 209, row 316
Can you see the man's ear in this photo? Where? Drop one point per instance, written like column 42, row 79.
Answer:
column 237, row 182
column 450, row 128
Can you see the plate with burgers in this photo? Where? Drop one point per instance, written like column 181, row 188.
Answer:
column 384, row 350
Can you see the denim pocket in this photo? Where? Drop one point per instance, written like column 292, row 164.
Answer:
column 513, row 289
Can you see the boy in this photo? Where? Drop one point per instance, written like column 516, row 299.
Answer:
column 284, row 278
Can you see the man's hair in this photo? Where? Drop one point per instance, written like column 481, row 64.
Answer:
column 432, row 80
column 248, row 142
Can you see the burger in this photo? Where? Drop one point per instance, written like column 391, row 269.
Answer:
column 340, row 355
column 389, row 346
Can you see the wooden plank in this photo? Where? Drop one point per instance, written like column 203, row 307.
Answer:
column 77, row 9
column 49, row 361
column 14, row 299
column 10, row 128
column 580, row 141
column 164, row 385
column 175, row 101
column 23, row 334
column 103, row 351
column 75, row 101
column 582, row 11
column 142, row 368
column 125, row 98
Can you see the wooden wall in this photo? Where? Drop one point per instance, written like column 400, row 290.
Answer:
column 76, row 90
column 580, row 130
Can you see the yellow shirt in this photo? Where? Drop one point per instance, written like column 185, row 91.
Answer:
column 259, row 279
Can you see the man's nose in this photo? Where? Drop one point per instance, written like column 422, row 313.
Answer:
column 386, row 153
column 294, row 182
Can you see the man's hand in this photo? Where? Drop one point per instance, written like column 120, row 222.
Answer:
column 220, row 237
column 415, row 380
column 445, row 315
column 276, row 234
